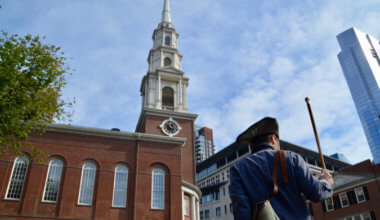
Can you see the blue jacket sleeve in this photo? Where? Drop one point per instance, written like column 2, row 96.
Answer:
column 240, row 202
column 312, row 188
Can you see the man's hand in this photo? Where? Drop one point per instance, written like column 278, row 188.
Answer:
column 325, row 175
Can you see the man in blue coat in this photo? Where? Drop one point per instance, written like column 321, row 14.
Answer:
column 251, row 178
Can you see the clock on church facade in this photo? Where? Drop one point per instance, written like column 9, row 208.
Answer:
column 94, row 173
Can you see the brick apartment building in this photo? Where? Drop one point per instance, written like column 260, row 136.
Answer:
column 356, row 194
column 94, row 173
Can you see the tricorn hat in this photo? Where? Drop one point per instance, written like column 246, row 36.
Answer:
column 265, row 126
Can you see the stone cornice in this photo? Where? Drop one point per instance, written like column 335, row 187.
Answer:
column 174, row 114
column 164, row 113
column 192, row 187
column 115, row 134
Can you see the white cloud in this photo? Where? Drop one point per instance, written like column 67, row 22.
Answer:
column 245, row 60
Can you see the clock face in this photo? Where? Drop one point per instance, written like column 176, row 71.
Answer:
column 170, row 127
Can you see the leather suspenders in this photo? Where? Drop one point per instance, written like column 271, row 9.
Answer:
column 280, row 155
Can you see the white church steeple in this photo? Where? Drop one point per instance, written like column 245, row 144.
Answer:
column 164, row 86
column 166, row 13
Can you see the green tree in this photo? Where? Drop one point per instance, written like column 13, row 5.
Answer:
column 32, row 75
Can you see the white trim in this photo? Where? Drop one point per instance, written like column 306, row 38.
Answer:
column 47, row 176
column 184, row 207
column 163, row 190
column 10, row 180
column 327, row 207
column 126, row 188
column 162, row 126
column 340, row 199
column 356, row 194
column 80, row 184
column 115, row 134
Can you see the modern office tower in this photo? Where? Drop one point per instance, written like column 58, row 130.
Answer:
column 340, row 157
column 360, row 62
column 204, row 143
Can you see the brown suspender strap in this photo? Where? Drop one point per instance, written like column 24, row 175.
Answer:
column 279, row 156
column 283, row 167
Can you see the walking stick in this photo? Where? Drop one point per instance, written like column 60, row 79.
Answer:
column 307, row 99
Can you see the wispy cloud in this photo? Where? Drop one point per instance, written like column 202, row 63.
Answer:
column 245, row 60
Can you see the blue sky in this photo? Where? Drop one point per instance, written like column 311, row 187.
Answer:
column 246, row 59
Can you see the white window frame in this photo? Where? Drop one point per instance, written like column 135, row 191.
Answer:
column 327, row 207
column 341, row 201
column 11, row 177
column 186, row 206
column 126, row 187
column 366, row 213
column 162, row 172
column 47, row 176
column 80, row 185
column 356, row 194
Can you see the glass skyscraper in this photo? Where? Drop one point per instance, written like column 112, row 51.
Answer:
column 360, row 62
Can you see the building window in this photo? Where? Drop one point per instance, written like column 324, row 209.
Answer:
column 158, row 185
column 87, row 184
column 328, row 205
column 344, row 199
column 168, row 98
column 360, row 197
column 225, row 209
column 207, row 214
column 53, row 180
column 186, row 210
column 201, row 214
column 120, row 187
column 167, row 40
column 366, row 216
column 218, row 212
column 16, row 183
column 167, row 61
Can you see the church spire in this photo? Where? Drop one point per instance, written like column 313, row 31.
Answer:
column 166, row 13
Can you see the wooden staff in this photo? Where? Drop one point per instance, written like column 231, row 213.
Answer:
column 307, row 99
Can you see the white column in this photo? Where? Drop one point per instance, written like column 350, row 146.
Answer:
column 193, row 209
column 183, row 199
column 198, row 218
column 180, row 93
column 158, row 104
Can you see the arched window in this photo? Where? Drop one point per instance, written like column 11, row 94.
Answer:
column 16, row 183
column 168, row 98
column 120, row 187
column 167, row 40
column 53, row 180
column 87, row 183
column 158, row 186
column 167, row 61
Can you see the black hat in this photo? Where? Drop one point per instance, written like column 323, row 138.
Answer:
column 265, row 126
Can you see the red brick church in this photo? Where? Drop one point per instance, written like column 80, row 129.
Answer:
column 94, row 173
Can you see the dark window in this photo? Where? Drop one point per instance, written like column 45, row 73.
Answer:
column 207, row 214
column 167, row 40
column 168, row 98
column 218, row 211
column 167, row 61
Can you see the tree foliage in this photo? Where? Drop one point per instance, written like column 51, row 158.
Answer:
column 32, row 75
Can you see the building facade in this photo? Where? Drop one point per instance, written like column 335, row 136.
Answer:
column 94, row 173
column 204, row 143
column 213, row 176
column 360, row 63
column 356, row 194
